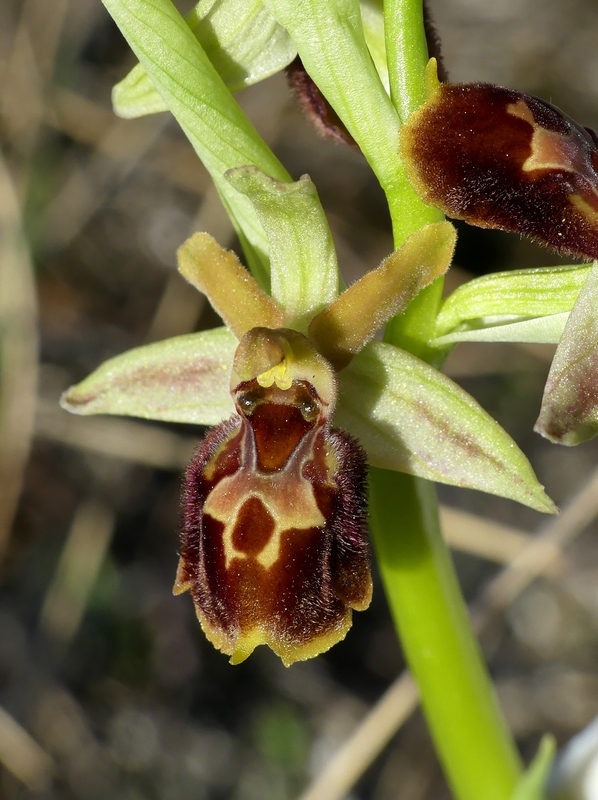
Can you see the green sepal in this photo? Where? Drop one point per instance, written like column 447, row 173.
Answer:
column 569, row 412
column 412, row 418
column 532, row 784
column 240, row 37
column 183, row 379
column 219, row 131
column 303, row 267
column 521, row 293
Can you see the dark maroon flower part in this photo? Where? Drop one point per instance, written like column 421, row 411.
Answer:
column 499, row 158
column 274, row 536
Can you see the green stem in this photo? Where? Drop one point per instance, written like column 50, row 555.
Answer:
column 472, row 740
column 406, row 54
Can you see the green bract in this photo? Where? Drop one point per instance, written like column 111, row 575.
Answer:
column 528, row 305
column 220, row 133
column 240, row 37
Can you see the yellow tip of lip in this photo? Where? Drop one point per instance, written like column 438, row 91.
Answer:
column 245, row 645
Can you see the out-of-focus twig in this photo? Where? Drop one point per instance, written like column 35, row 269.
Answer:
column 137, row 442
column 482, row 537
column 18, row 354
column 379, row 726
column 540, row 554
column 87, row 188
column 27, row 76
column 23, row 756
column 89, row 123
column 77, row 570
column 401, row 699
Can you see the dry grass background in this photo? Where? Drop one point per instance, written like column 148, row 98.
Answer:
column 108, row 690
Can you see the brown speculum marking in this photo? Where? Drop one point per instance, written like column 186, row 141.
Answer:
column 274, row 536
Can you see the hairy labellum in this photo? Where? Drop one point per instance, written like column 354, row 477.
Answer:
column 499, row 158
column 274, row 539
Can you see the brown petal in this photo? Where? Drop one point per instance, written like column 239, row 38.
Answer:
column 499, row 158
column 274, row 540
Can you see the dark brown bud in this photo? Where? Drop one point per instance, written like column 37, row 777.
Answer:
column 499, row 158
column 315, row 107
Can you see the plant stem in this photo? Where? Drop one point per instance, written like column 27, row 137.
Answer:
column 471, row 738
column 406, row 54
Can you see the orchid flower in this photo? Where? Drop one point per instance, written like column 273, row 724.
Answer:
column 274, row 540
column 302, row 399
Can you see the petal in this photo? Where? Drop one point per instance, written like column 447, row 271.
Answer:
column 499, row 158
column 345, row 326
column 274, row 550
column 569, row 413
column 303, row 268
column 183, row 379
column 240, row 37
column 412, row 418
column 231, row 289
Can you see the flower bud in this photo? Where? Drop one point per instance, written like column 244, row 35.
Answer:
column 499, row 158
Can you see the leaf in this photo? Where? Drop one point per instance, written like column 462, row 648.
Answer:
column 544, row 330
column 240, row 37
column 569, row 412
column 532, row 785
column 303, row 268
column 183, row 379
column 219, row 131
column 345, row 326
column 523, row 292
column 412, row 418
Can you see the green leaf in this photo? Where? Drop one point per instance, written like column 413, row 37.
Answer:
column 569, row 413
column 219, row 131
column 183, row 379
column 303, row 268
column 240, row 37
column 523, row 293
column 532, row 785
column 545, row 330
column 412, row 418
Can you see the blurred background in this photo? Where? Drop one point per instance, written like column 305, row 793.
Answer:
column 108, row 689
